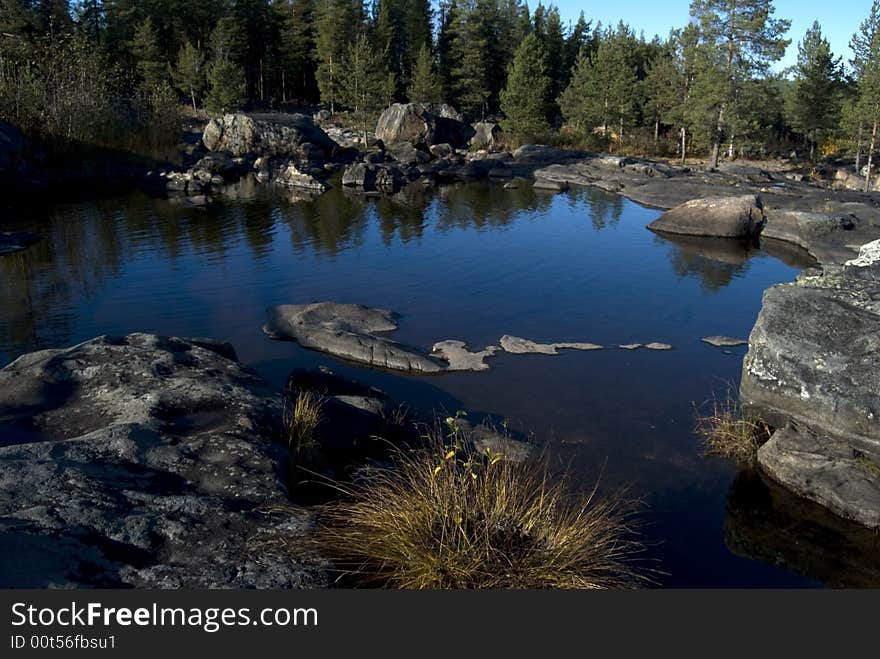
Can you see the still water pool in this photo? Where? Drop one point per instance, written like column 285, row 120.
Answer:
column 471, row 263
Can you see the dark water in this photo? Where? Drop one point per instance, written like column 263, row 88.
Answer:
column 469, row 263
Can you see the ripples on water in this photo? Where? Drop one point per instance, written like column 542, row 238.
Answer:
column 469, row 262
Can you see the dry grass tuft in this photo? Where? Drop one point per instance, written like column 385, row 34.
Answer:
column 302, row 415
column 730, row 432
column 447, row 517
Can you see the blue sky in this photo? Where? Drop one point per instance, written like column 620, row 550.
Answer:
column 839, row 18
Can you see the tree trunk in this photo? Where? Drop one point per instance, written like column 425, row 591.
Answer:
column 683, row 144
column 871, row 155
column 192, row 93
column 719, row 132
column 656, row 135
column 730, row 150
column 859, row 151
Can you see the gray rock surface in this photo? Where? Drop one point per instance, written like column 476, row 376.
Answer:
column 519, row 346
column 721, row 217
column 460, row 358
column 825, row 469
column 273, row 136
column 147, row 462
column 486, row 135
column 662, row 347
column 725, row 341
column 421, row 125
column 814, row 351
column 813, row 362
column 16, row 241
column 348, row 331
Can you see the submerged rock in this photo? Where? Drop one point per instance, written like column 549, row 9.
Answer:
column 518, row 346
column 143, row 461
column 722, row 217
column 724, row 341
column 459, row 358
column 348, row 331
column 16, row 241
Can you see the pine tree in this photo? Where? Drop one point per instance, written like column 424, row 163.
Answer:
column 554, row 48
column 298, row 52
column 603, row 87
column 226, row 78
column 745, row 40
column 366, row 87
column 337, row 22
column 189, row 74
column 145, row 46
column 866, row 63
column 817, row 87
column 579, row 37
column 662, row 92
column 425, row 86
column 525, row 99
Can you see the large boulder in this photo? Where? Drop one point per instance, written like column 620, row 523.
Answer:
column 242, row 135
column 144, row 461
column 486, row 135
column 421, row 125
column 813, row 361
column 719, row 217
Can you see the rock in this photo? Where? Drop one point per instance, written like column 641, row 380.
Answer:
column 146, row 462
column 543, row 154
column 724, row 341
column 518, row 346
column 813, row 355
column 290, row 174
column 459, row 358
column 825, row 469
column 869, row 254
column 406, row 154
column 658, row 346
column 484, row 437
column 631, row 346
column 360, row 175
column 829, row 235
column 16, row 241
column 486, row 135
column 844, row 180
column 242, row 135
column 551, row 186
column 722, row 217
column 348, row 331
column 420, row 125
column 441, row 150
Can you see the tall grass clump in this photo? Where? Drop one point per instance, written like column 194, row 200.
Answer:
column 302, row 416
column 730, row 431
column 445, row 516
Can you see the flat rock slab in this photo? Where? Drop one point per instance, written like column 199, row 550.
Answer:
column 659, row 346
column 460, row 358
column 631, row 346
column 721, row 217
column 826, row 470
column 150, row 465
column 348, row 331
column 518, row 346
column 724, row 341
column 11, row 242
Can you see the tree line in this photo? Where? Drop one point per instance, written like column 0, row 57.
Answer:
column 706, row 88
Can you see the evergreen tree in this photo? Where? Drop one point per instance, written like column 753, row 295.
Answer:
column 226, row 78
column 580, row 37
column 189, row 74
column 554, row 48
column 602, row 89
column 744, row 40
column 145, row 46
column 298, row 51
column 425, row 86
column 366, row 88
column 662, row 92
column 866, row 63
column 337, row 22
column 817, row 87
column 525, row 99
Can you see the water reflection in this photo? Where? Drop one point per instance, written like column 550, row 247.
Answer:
column 716, row 261
column 769, row 524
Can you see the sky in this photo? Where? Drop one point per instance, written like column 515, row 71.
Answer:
column 839, row 18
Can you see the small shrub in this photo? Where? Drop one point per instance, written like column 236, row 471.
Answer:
column 445, row 516
column 730, row 432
